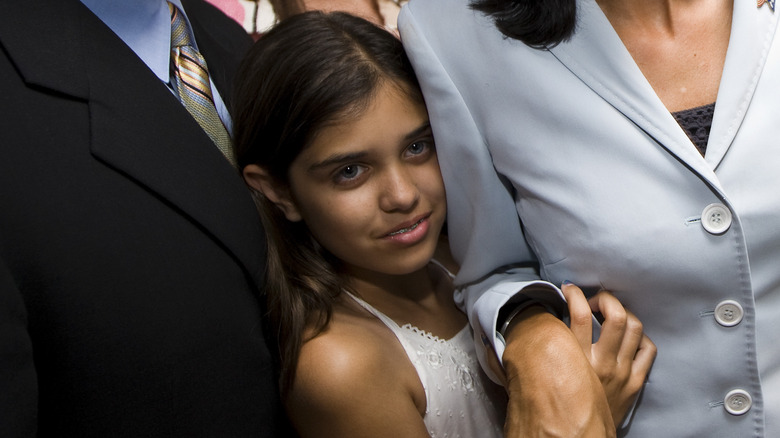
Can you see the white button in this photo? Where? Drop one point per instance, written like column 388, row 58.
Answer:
column 729, row 313
column 716, row 218
column 737, row 402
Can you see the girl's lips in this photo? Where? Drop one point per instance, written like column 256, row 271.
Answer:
column 412, row 233
column 407, row 226
column 405, row 230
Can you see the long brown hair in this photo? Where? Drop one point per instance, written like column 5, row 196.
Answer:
column 310, row 71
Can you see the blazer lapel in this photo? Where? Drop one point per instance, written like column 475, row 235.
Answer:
column 52, row 60
column 141, row 129
column 752, row 32
column 597, row 56
column 138, row 126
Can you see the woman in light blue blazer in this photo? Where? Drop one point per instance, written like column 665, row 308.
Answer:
column 573, row 156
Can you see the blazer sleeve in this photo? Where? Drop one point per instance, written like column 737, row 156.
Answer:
column 18, row 381
column 497, row 265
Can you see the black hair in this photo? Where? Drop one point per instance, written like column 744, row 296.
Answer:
column 537, row 23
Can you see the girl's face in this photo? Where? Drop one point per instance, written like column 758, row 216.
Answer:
column 370, row 190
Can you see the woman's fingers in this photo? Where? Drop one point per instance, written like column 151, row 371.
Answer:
column 623, row 354
column 614, row 325
column 580, row 316
column 632, row 338
column 643, row 360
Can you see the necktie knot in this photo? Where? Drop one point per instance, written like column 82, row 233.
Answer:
column 180, row 32
column 190, row 78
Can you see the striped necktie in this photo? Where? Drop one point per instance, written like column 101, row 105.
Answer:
column 191, row 78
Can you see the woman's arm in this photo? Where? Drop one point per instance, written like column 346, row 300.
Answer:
column 486, row 234
column 553, row 390
column 620, row 360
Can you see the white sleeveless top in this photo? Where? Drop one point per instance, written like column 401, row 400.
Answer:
column 461, row 401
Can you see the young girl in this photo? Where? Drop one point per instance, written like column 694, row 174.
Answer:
column 333, row 136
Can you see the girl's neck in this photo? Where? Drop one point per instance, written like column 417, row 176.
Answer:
column 422, row 298
column 414, row 287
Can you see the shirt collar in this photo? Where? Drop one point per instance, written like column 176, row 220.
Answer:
column 144, row 25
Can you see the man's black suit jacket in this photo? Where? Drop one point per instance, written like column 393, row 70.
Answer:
column 130, row 250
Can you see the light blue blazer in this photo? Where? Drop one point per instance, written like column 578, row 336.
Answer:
column 568, row 158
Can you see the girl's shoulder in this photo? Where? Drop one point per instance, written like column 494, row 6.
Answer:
column 354, row 349
column 351, row 369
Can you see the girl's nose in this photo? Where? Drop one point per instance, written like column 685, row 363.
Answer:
column 399, row 191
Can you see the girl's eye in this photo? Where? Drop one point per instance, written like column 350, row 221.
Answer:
column 349, row 173
column 419, row 147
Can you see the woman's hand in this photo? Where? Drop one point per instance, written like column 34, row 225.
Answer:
column 623, row 354
column 553, row 389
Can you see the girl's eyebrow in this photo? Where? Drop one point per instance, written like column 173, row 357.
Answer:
column 422, row 129
column 346, row 158
column 336, row 159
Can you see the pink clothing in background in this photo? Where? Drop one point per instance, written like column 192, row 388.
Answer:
column 231, row 8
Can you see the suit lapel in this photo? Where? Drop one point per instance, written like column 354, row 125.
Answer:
column 54, row 60
column 752, row 32
column 597, row 56
column 139, row 128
